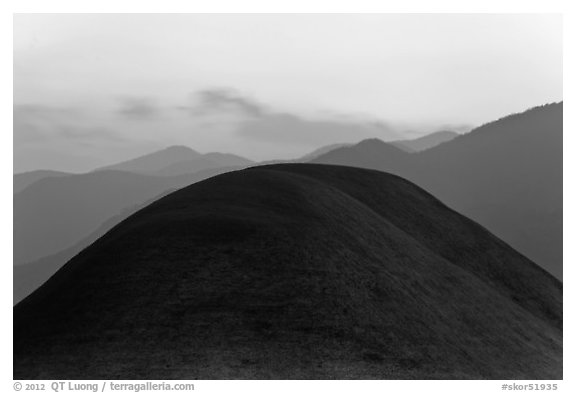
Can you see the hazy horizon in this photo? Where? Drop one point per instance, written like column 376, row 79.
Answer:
column 94, row 89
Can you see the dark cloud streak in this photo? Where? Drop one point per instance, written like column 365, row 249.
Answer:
column 40, row 124
column 226, row 100
column 258, row 122
column 138, row 108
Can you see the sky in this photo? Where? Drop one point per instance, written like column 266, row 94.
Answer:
column 94, row 89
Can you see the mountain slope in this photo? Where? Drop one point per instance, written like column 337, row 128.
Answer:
column 153, row 162
column 28, row 277
column 227, row 159
column 188, row 166
column 507, row 175
column 426, row 142
column 322, row 150
column 206, row 161
column 178, row 160
column 23, row 180
column 294, row 271
column 56, row 213
column 369, row 153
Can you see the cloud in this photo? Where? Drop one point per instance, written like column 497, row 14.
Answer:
column 32, row 122
column 71, row 138
column 89, row 134
column 42, row 124
column 458, row 128
column 43, row 115
column 293, row 129
column 218, row 100
column 138, row 108
column 258, row 122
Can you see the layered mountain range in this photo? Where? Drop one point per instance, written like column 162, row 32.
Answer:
column 294, row 271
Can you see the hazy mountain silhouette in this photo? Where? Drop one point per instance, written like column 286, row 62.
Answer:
column 426, row 142
column 322, row 150
column 55, row 213
column 507, row 175
column 156, row 161
column 408, row 145
column 206, row 161
column 369, row 153
column 227, row 159
column 23, row 180
column 186, row 167
column 178, row 160
column 294, row 271
column 29, row 276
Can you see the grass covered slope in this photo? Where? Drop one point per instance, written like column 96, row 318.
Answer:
column 294, row 271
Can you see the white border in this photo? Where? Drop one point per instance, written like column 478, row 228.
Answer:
column 486, row 6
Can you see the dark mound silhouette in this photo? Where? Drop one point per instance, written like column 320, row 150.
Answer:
column 23, row 180
column 294, row 271
column 506, row 175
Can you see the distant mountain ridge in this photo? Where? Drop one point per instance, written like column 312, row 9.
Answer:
column 155, row 161
column 506, row 175
column 29, row 276
column 409, row 145
column 54, row 214
column 25, row 179
column 177, row 160
column 425, row 142
column 206, row 161
column 369, row 153
column 322, row 150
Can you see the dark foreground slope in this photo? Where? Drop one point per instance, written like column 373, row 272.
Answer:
column 294, row 271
